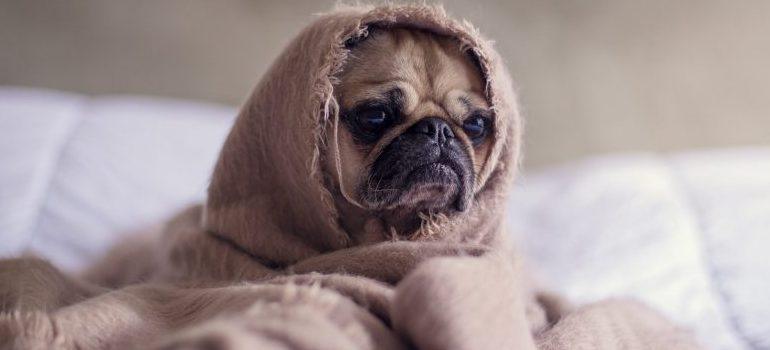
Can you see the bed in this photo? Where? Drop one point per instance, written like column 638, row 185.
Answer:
column 686, row 232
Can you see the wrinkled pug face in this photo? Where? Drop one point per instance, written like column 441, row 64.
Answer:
column 416, row 128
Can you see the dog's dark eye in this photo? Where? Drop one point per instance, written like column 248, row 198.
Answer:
column 368, row 124
column 476, row 127
column 373, row 119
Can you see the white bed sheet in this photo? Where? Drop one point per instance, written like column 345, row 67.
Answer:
column 688, row 233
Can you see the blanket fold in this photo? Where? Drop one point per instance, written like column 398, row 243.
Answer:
column 265, row 263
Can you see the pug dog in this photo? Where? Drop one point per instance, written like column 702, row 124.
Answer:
column 417, row 131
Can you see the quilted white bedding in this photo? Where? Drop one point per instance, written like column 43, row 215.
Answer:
column 688, row 233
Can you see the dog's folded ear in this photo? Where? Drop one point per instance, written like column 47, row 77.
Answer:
column 272, row 194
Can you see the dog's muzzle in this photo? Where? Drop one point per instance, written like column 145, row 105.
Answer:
column 426, row 167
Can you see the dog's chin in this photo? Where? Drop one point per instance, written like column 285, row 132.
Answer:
column 435, row 187
column 430, row 187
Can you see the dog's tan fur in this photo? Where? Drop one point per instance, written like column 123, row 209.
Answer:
column 437, row 79
column 435, row 76
column 264, row 266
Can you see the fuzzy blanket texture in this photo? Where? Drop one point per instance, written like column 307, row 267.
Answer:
column 265, row 262
column 686, row 233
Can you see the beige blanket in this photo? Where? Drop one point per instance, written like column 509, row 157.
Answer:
column 265, row 264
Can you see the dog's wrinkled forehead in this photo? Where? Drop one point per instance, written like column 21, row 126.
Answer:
column 429, row 74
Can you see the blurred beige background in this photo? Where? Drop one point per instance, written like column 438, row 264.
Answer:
column 594, row 76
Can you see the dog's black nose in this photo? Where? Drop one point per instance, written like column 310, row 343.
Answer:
column 436, row 128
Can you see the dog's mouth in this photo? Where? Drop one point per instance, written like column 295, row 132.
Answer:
column 430, row 186
column 436, row 180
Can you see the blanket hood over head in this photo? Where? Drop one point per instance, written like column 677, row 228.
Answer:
column 270, row 192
